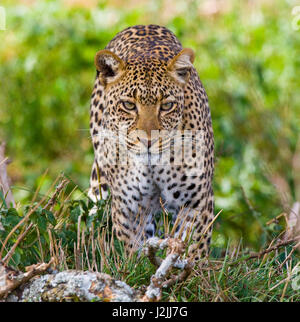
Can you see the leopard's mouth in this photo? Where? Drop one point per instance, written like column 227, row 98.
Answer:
column 158, row 144
column 155, row 147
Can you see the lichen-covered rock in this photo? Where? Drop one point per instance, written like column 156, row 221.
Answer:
column 70, row 286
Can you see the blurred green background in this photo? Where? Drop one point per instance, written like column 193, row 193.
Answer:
column 247, row 56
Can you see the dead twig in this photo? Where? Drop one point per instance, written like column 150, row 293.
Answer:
column 11, row 279
column 275, row 247
column 51, row 202
column 265, row 251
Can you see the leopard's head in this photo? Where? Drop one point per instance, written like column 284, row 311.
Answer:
column 144, row 97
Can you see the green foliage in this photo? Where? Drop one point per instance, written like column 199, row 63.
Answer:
column 48, row 226
column 247, row 57
column 78, row 241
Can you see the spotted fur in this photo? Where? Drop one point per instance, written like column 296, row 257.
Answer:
column 141, row 73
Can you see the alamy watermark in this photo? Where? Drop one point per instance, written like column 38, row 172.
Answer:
column 179, row 148
column 2, row 18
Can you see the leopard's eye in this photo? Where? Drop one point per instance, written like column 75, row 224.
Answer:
column 167, row 106
column 128, row 105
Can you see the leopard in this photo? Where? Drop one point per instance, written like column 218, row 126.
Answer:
column 146, row 85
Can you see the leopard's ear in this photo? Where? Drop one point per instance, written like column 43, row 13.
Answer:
column 180, row 66
column 109, row 66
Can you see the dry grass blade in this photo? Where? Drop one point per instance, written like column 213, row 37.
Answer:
column 49, row 204
column 20, row 238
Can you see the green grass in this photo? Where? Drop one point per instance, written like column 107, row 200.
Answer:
column 60, row 227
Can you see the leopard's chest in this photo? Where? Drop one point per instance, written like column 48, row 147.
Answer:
column 132, row 182
column 141, row 180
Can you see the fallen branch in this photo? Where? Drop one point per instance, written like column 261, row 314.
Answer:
column 11, row 279
column 175, row 248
